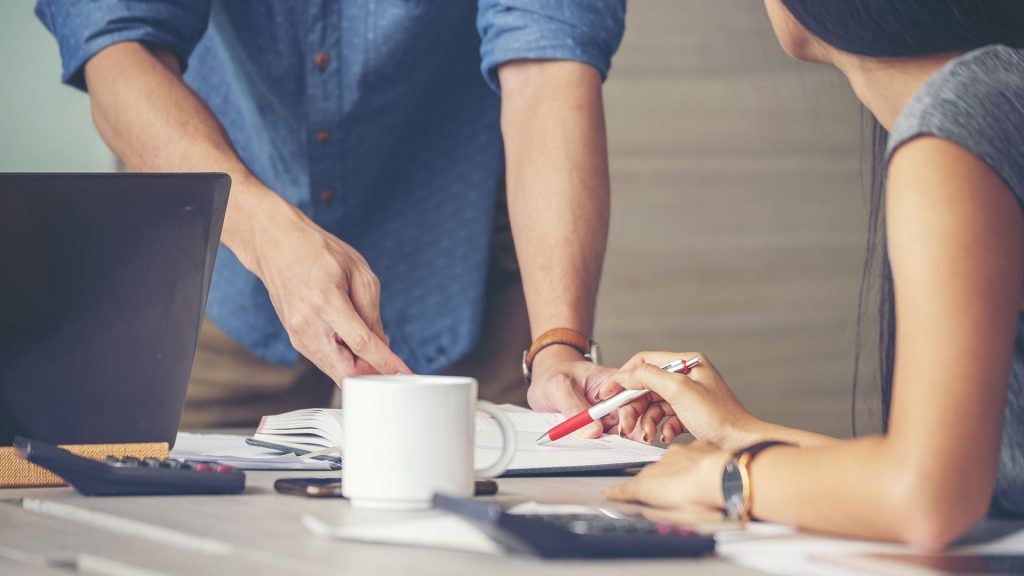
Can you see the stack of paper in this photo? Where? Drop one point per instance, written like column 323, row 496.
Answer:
column 233, row 451
column 320, row 431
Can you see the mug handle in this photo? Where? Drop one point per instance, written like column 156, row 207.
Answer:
column 508, row 441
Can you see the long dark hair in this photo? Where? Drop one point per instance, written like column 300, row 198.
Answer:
column 899, row 29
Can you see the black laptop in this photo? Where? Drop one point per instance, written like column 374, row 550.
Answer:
column 103, row 284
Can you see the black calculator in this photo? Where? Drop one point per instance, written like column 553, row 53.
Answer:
column 578, row 535
column 131, row 476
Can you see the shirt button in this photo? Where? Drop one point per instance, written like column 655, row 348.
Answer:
column 322, row 59
column 326, row 196
column 436, row 362
column 323, row 136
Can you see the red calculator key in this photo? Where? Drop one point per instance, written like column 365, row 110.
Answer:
column 224, row 468
column 202, row 467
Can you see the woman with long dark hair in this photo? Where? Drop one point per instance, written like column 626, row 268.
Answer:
column 945, row 81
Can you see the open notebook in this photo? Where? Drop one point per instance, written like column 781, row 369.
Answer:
column 316, row 429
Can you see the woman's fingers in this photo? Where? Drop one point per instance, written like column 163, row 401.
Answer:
column 655, row 358
column 625, row 492
column 671, row 428
column 685, row 516
column 677, row 480
column 650, row 419
column 668, row 385
column 630, row 413
column 643, row 488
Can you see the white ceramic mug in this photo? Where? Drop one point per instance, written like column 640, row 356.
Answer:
column 408, row 437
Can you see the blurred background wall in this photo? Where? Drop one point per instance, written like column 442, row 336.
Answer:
column 738, row 211
column 44, row 126
column 738, row 214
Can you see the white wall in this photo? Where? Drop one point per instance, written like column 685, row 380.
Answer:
column 44, row 125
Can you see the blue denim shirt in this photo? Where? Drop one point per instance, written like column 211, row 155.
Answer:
column 372, row 117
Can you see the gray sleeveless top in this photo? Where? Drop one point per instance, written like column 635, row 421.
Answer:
column 977, row 102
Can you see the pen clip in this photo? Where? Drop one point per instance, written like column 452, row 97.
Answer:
column 681, row 366
column 673, row 365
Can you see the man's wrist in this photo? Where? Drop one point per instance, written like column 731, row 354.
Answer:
column 556, row 353
column 252, row 210
column 560, row 337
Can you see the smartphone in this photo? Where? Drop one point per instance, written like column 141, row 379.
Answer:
column 310, row 487
column 331, row 487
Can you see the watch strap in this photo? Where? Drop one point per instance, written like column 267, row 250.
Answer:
column 755, row 449
column 554, row 337
column 742, row 459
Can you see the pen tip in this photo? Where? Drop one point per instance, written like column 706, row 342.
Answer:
column 544, row 439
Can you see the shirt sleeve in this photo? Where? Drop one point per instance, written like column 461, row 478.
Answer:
column 587, row 31
column 84, row 27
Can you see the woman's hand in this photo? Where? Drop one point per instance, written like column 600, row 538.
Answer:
column 699, row 402
column 686, row 477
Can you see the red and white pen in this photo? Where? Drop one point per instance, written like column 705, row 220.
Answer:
column 602, row 409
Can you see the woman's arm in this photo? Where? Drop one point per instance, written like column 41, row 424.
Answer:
column 956, row 244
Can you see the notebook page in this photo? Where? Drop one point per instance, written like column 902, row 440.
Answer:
column 566, row 453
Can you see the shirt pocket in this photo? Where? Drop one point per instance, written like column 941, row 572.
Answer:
column 409, row 38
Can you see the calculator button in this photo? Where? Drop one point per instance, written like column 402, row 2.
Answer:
column 224, row 468
column 112, row 460
column 202, row 467
column 130, row 461
column 172, row 464
column 151, row 462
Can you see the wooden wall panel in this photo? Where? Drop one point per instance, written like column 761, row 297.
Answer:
column 739, row 215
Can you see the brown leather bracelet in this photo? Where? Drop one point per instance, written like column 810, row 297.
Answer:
column 564, row 337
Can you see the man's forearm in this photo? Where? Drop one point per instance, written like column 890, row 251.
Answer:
column 557, row 174
column 154, row 122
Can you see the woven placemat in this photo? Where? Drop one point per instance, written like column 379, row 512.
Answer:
column 16, row 472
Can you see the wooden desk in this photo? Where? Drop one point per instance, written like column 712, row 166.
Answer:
column 259, row 532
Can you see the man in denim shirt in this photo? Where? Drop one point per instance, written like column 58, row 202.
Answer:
column 369, row 142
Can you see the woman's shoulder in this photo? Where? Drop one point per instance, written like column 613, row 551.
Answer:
column 977, row 102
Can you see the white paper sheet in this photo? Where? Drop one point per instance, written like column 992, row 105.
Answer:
column 777, row 549
column 435, row 530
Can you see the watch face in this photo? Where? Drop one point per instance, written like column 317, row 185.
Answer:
column 732, row 490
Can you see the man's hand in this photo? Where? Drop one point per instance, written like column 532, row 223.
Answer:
column 322, row 289
column 552, row 119
column 325, row 294
column 563, row 381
